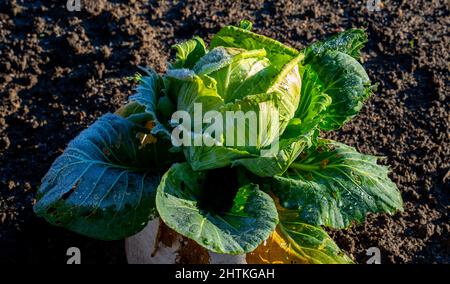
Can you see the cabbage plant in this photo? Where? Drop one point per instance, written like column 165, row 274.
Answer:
column 268, row 194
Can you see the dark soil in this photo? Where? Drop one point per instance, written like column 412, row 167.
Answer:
column 60, row 70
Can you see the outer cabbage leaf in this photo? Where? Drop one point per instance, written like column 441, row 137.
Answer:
column 246, row 25
column 188, row 53
column 250, row 221
column 287, row 86
column 265, row 107
column 334, row 185
column 232, row 68
column 345, row 81
column 349, row 42
column 103, row 185
column 149, row 93
column 276, row 164
column 313, row 102
column 130, row 109
column 297, row 242
column 231, row 36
